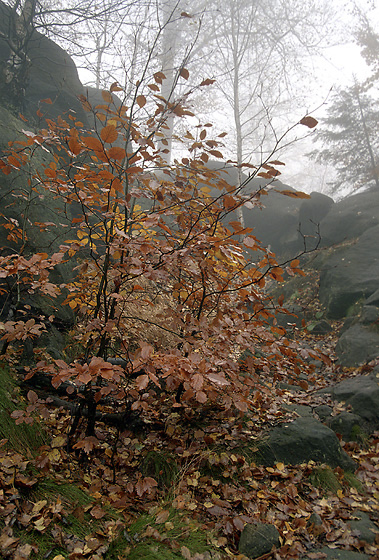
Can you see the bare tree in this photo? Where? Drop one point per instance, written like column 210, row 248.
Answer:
column 260, row 47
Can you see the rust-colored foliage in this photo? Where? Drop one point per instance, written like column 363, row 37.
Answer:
column 177, row 333
column 154, row 252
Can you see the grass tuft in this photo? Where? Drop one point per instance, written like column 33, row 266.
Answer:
column 27, row 438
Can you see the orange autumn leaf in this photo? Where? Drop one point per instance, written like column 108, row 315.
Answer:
column 75, row 146
column 107, row 96
column 295, row 194
column 109, row 134
column 116, row 153
column 93, row 143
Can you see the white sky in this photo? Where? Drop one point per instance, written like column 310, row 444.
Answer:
column 338, row 68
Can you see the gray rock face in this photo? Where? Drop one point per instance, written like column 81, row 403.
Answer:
column 51, row 73
column 258, row 539
column 373, row 299
column 303, row 440
column 347, row 264
column 350, row 273
column 281, row 221
column 357, row 345
column 369, row 314
column 362, row 393
column 284, row 220
column 363, row 527
column 323, row 412
column 345, row 423
column 350, row 218
column 336, row 554
column 321, row 327
column 312, row 211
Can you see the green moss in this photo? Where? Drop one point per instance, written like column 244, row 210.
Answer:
column 24, row 438
column 324, row 478
column 352, row 481
column 355, row 309
column 173, row 533
column 357, row 434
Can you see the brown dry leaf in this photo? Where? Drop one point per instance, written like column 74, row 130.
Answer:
column 162, row 516
column 295, row 194
column 107, row 96
column 109, row 134
column 308, row 121
column 97, row 512
column 141, row 101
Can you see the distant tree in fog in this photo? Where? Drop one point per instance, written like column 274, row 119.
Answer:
column 350, row 140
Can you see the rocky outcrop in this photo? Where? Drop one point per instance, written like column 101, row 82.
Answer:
column 349, row 273
column 305, row 439
column 350, row 218
column 50, row 73
column 343, row 275
column 286, row 224
column 361, row 394
column 258, row 539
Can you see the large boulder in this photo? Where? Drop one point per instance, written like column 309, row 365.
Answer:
column 24, row 203
column 305, row 439
column 357, row 345
column 362, row 394
column 283, row 222
column 287, row 224
column 363, row 527
column 349, row 273
column 51, row 73
column 258, row 539
column 350, row 218
column 313, row 211
column 346, row 424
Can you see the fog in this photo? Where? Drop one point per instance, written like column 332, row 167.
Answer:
column 269, row 63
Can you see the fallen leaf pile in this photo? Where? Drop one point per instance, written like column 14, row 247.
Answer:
column 199, row 463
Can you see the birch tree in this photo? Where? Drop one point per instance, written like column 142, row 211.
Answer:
column 259, row 47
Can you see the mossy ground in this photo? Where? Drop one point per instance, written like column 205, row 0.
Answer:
column 149, row 537
column 146, row 539
column 324, row 478
column 24, row 440
column 68, row 507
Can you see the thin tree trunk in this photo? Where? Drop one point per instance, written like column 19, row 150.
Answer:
column 237, row 115
column 169, row 43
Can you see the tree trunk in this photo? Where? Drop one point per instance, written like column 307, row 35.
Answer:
column 169, row 41
column 16, row 68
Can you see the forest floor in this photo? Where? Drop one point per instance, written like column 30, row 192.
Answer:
column 179, row 486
